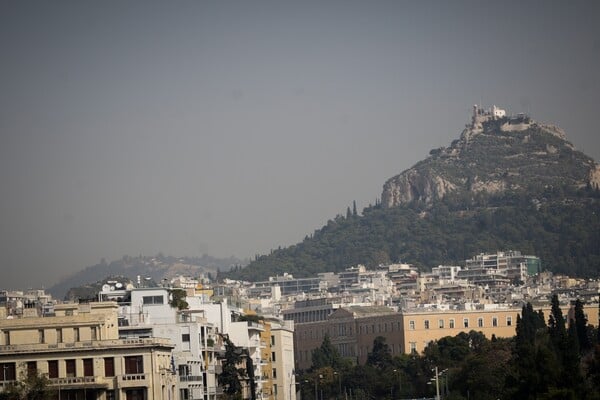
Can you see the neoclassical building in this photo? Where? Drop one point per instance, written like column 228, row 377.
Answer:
column 353, row 329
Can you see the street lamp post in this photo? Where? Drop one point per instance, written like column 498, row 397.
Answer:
column 317, row 386
column 437, row 384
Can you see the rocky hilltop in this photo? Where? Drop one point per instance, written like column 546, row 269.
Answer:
column 495, row 153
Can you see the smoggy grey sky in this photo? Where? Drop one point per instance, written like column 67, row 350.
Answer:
column 231, row 128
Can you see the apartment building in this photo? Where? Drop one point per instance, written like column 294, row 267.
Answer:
column 147, row 313
column 281, row 347
column 79, row 350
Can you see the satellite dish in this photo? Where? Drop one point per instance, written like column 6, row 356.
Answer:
column 105, row 287
column 118, row 285
column 112, row 288
column 129, row 286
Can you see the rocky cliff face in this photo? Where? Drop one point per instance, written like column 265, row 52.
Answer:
column 495, row 156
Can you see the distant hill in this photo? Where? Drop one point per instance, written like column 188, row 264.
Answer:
column 507, row 182
column 156, row 268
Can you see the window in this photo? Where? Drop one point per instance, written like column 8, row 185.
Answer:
column 93, row 333
column 411, row 325
column 451, row 324
column 184, row 394
column 184, row 370
column 8, row 371
column 508, row 321
column 135, row 394
column 109, row 366
column 466, row 322
column 494, row 321
column 272, row 340
column 52, row 369
column 7, row 338
column 480, row 322
column 441, row 324
column 273, row 356
column 88, row 367
column 274, row 373
column 70, row 367
column 426, row 324
column 31, row 368
column 76, row 334
column 41, row 337
column 413, row 347
column 134, row 365
column 149, row 300
column 185, row 337
column 110, row 395
column 59, row 337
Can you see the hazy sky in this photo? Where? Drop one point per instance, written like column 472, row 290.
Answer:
column 231, row 128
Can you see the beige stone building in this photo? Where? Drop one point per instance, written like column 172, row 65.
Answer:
column 79, row 350
column 353, row 329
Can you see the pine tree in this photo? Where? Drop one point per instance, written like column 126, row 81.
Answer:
column 354, row 212
column 381, row 356
column 326, row 355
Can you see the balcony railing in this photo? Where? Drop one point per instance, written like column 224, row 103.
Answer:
column 190, row 378
column 132, row 377
column 80, row 381
column 96, row 344
column 4, row 384
column 73, row 380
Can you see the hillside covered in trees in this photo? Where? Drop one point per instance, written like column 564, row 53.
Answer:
column 563, row 232
column 499, row 187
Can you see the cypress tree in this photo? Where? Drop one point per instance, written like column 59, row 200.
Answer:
column 581, row 326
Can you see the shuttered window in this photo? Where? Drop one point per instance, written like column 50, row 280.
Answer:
column 53, row 369
column 88, row 367
column 134, row 365
column 31, row 368
column 70, row 367
column 109, row 366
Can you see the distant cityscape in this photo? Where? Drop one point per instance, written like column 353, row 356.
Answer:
column 173, row 341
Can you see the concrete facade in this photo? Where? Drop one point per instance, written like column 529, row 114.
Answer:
column 80, row 351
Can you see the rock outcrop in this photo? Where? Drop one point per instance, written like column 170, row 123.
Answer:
column 493, row 155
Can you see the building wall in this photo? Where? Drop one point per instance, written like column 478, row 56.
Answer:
column 282, row 344
column 410, row 330
column 420, row 328
column 27, row 348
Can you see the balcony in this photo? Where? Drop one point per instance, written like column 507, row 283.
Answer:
column 5, row 384
column 74, row 382
column 76, row 346
column 190, row 378
column 256, row 326
column 133, row 380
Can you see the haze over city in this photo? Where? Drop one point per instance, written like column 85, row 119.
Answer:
column 232, row 128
